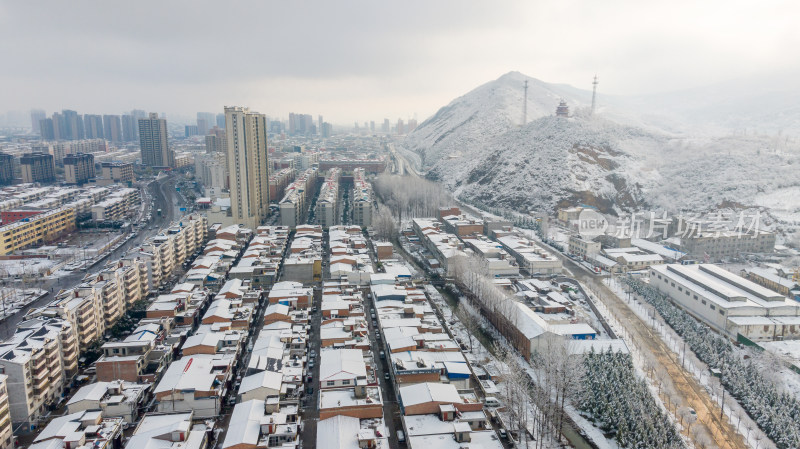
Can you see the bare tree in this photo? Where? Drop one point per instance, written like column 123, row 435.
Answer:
column 558, row 371
column 384, row 224
column 470, row 321
column 516, row 387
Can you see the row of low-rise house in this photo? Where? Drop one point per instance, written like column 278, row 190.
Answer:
column 502, row 250
column 42, row 357
column 432, row 378
column 351, row 401
column 442, row 245
column 349, row 255
column 267, row 413
column 303, row 261
column 263, row 257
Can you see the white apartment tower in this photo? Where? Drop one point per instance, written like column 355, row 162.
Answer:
column 247, row 165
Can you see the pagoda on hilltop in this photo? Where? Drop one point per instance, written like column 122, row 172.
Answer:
column 562, row 110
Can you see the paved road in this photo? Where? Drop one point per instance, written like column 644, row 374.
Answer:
column 391, row 406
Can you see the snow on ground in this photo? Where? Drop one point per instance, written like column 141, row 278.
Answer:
column 12, row 300
column 787, row 352
column 783, row 203
column 733, row 411
column 26, row 267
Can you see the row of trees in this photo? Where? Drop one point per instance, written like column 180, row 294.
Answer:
column 619, row 403
column 559, row 376
column 411, row 197
column 776, row 412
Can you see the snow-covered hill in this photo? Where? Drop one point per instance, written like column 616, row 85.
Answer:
column 614, row 160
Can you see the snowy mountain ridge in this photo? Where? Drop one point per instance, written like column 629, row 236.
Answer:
column 616, row 160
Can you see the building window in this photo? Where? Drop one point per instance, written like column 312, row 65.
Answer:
column 703, row 301
column 346, row 382
column 713, row 307
column 331, row 383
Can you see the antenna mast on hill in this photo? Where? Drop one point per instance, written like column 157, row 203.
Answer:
column 594, row 94
column 525, row 105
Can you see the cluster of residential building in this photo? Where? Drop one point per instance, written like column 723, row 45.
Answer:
column 362, row 202
column 278, row 181
column 711, row 238
column 79, row 159
column 182, row 360
column 349, row 255
column 33, row 216
column 297, row 198
column 327, row 206
column 303, row 262
column 42, row 357
column 503, row 252
column 536, row 308
column 434, row 382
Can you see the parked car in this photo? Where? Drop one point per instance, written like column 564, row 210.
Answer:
column 503, row 433
column 386, row 376
column 491, row 401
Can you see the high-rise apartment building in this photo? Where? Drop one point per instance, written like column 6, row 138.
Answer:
column 130, row 131
column 112, row 128
column 46, row 129
column 216, row 141
column 221, row 121
column 130, row 125
column 59, row 127
column 327, row 130
column 78, row 168
column 73, row 125
column 37, row 167
column 153, row 142
column 247, row 165
column 190, row 130
column 93, row 126
column 205, row 120
column 301, row 124
column 37, row 115
column 6, row 169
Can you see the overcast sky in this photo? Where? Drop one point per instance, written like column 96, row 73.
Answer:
column 365, row 60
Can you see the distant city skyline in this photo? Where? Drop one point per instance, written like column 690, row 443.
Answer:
column 355, row 62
